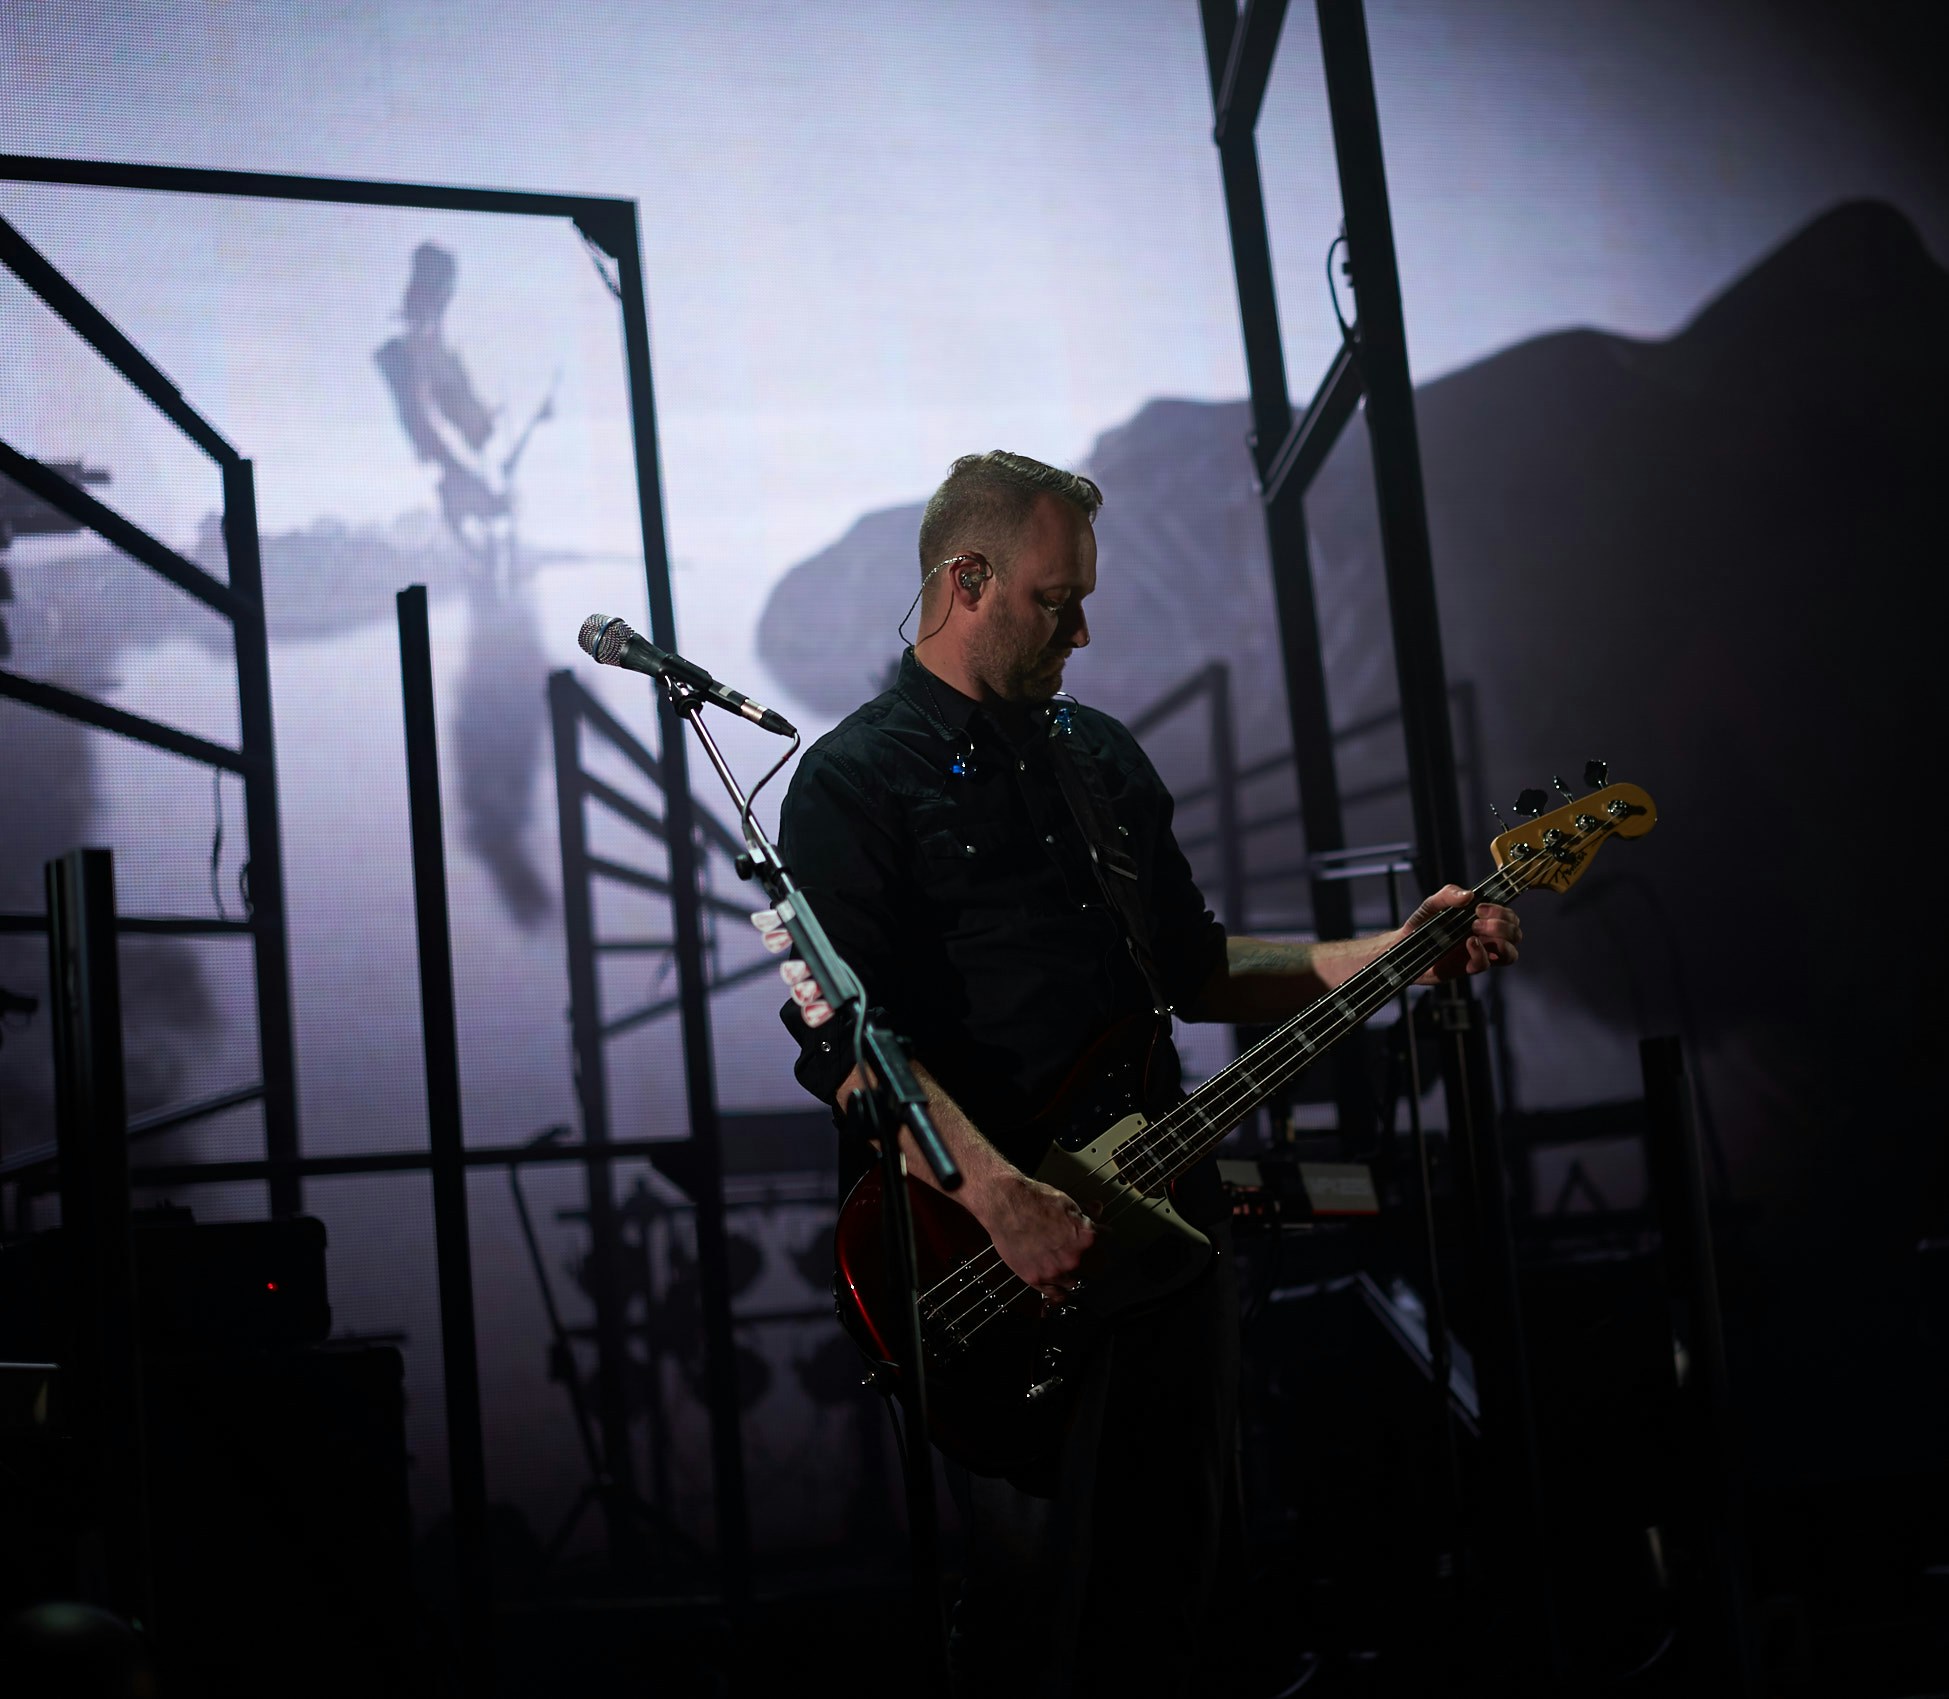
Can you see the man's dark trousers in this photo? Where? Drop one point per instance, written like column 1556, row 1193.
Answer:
column 1104, row 1587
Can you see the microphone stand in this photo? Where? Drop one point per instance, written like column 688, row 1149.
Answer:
column 890, row 1098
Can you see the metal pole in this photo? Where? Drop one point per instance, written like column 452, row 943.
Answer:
column 102, row 1359
column 1309, row 714
column 460, row 1362
column 1224, row 780
column 1468, row 724
column 1391, row 429
column 1677, row 1166
column 1423, row 681
column 1451, row 1510
column 1285, row 518
column 618, row 234
column 930, row 1672
column 592, row 1093
column 270, row 949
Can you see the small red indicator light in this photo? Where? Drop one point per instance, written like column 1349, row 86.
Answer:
column 270, row 1286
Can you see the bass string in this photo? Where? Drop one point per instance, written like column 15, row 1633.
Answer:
column 1510, row 882
column 1516, row 877
column 1442, row 937
column 1295, row 1045
column 1296, row 1041
column 1356, row 1003
column 986, row 1294
column 1149, row 1166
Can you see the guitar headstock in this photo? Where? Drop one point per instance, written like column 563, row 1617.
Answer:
column 1554, row 850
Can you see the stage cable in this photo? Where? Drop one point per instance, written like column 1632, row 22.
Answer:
column 216, row 842
column 599, row 258
column 1333, row 290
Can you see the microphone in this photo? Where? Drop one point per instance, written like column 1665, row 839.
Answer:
column 611, row 642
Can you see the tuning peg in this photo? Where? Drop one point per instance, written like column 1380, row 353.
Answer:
column 1563, row 790
column 1531, row 803
column 1595, row 773
column 1502, row 825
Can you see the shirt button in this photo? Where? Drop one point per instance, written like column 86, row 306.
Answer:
column 1048, row 837
column 969, row 848
column 1021, row 766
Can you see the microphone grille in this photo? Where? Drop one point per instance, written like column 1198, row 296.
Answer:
column 603, row 637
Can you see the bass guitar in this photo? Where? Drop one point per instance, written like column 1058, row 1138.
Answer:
column 999, row 1359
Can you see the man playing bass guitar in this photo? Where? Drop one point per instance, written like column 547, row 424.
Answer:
column 998, row 866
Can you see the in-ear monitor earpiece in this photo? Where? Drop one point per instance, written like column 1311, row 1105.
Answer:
column 970, row 581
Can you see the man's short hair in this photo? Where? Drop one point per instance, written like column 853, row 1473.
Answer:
column 985, row 499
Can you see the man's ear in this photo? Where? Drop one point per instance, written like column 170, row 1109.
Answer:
column 971, row 573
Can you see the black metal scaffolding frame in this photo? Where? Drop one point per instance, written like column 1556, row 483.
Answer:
column 610, row 225
column 573, row 714
column 241, row 602
column 101, row 1365
column 1232, row 824
column 1288, row 451
column 445, row 1137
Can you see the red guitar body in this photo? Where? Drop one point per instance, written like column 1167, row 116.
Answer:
column 1001, row 1364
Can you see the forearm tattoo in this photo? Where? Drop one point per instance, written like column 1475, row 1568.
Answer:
column 1257, row 956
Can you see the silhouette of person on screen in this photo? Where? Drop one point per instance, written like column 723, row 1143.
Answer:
column 498, row 732
column 445, row 420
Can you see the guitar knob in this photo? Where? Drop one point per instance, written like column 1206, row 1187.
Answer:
column 1043, row 1388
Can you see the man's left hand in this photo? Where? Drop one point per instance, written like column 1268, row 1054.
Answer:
column 1494, row 940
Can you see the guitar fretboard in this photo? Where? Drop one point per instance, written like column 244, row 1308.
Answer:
column 1176, row 1140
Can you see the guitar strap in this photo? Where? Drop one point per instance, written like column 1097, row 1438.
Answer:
column 1115, row 867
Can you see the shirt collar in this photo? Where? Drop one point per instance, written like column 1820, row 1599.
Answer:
column 951, row 715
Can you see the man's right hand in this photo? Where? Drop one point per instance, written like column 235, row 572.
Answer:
column 1040, row 1232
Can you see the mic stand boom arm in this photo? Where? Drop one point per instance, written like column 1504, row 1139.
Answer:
column 890, row 1097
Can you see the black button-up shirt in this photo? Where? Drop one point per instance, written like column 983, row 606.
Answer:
column 946, row 864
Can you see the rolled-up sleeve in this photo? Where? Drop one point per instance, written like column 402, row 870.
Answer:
column 845, row 851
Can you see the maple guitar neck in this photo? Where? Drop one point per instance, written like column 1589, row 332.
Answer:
column 1185, row 1134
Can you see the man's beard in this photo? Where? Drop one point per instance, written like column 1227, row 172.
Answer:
column 1017, row 675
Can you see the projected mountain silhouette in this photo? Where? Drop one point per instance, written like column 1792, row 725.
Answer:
column 1698, row 558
